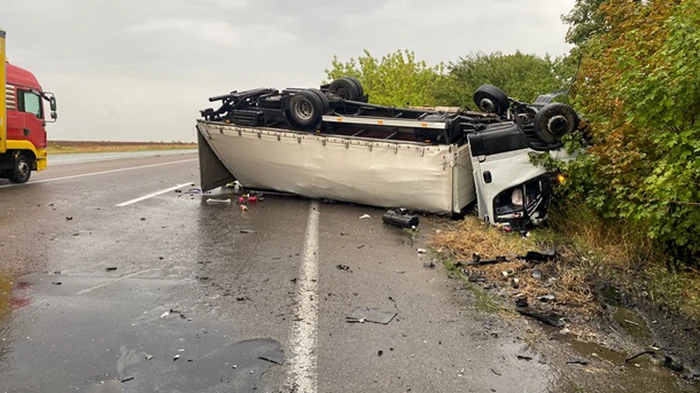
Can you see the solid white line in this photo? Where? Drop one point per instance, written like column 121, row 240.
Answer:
column 302, row 373
column 154, row 194
column 133, row 168
column 113, row 281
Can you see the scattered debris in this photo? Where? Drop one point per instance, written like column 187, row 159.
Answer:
column 176, row 357
column 400, row 271
column 493, row 370
column 111, row 268
column 193, row 191
column 537, row 257
column 213, row 200
column 524, row 357
column 234, row 367
column 550, row 318
column 190, row 360
column 69, row 218
column 242, row 298
column 546, row 298
column 477, row 261
column 143, row 218
column 251, row 231
column 401, row 218
column 244, row 208
column 507, row 273
column 149, row 357
column 165, row 314
column 126, row 379
column 380, row 352
column 344, row 267
column 583, row 362
column 375, row 315
column 429, row 265
column 365, row 216
column 56, row 283
column 515, row 283
column 421, row 250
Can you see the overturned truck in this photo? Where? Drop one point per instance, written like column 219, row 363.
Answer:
column 331, row 142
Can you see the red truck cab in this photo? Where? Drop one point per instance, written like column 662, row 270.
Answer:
column 25, row 143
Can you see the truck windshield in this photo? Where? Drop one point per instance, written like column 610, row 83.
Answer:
column 32, row 104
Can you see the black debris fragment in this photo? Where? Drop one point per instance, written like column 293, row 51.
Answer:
column 537, row 257
column 56, row 283
column 524, row 357
column 143, row 218
column 126, row 379
column 380, row 352
column 69, row 218
column 521, row 302
column 363, row 314
column 111, row 268
column 344, row 267
column 477, row 261
column 273, row 356
column 401, row 218
column 149, row 357
column 242, row 298
column 429, row 265
column 250, row 231
column 578, row 361
column 176, row 357
column 548, row 318
column 493, row 370
column 160, row 258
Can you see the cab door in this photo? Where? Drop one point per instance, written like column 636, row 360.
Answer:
column 32, row 112
column 15, row 120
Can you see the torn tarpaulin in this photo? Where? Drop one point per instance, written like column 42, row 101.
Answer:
column 363, row 314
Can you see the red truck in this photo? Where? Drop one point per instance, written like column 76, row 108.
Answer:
column 22, row 121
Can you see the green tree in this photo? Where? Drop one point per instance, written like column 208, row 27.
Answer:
column 521, row 76
column 640, row 88
column 397, row 79
column 585, row 20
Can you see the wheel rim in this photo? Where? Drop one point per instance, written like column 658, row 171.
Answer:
column 23, row 169
column 304, row 109
column 558, row 125
column 488, row 106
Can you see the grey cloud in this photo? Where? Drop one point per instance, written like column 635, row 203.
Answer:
column 142, row 69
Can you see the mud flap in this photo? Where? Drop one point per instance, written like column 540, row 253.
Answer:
column 212, row 172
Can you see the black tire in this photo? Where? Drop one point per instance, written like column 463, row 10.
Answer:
column 305, row 108
column 554, row 121
column 491, row 99
column 324, row 99
column 360, row 89
column 345, row 88
column 22, row 170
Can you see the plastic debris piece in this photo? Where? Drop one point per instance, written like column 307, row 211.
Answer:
column 213, row 200
column 343, row 267
column 365, row 216
column 251, row 231
column 165, row 314
column 537, row 274
column 252, row 199
column 524, row 357
column 429, row 265
column 380, row 352
column 234, row 367
column 126, row 379
column 515, row 283
column 550, row 318
column 241, row 200
column 421, row 250
column 493, row 370
column 507, row 273
column 583, row 362
column 69, row 218
column 272, row 355
column 401, row 218
column 56, row 283
column 536, row 256
column 244, row 208
column 111, row 268
column 546, row 298
column 176, row 357
column 149, row 357
column 375, row 315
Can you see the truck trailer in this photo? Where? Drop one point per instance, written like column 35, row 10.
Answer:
column 331, row 142
column 22, row 120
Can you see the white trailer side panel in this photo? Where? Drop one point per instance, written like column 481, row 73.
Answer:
column 429, row 178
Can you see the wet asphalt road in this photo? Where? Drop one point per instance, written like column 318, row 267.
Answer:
column 189, row 283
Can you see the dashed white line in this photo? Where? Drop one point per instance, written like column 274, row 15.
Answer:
column 133, row 168
column 302, row 373
column 154, row 194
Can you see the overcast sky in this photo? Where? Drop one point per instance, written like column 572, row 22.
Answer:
column 142, row 69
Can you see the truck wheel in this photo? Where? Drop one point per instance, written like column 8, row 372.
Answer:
column 22, row 170
column 491, row 99
column 305, row 108
column 324, row 99
column 554, row 121
column 345, row 88
column 360, row 89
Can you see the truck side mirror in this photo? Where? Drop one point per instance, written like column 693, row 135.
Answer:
column 54, row 115
column 52, row 104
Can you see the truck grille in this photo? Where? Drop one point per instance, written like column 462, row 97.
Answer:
column 10, row 98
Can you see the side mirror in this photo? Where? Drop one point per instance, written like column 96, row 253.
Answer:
column 52, row 104
column 54, row 116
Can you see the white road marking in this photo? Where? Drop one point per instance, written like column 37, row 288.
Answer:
column 133, row 168
column 154, row 194
column 302, row 373
column 104, row 284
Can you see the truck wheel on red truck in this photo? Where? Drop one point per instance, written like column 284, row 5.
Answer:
column 22, row 120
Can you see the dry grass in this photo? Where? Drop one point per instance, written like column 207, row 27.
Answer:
column 472, row 235
column 104, row 147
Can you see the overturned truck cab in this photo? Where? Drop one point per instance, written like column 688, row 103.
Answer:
column 332, row 143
